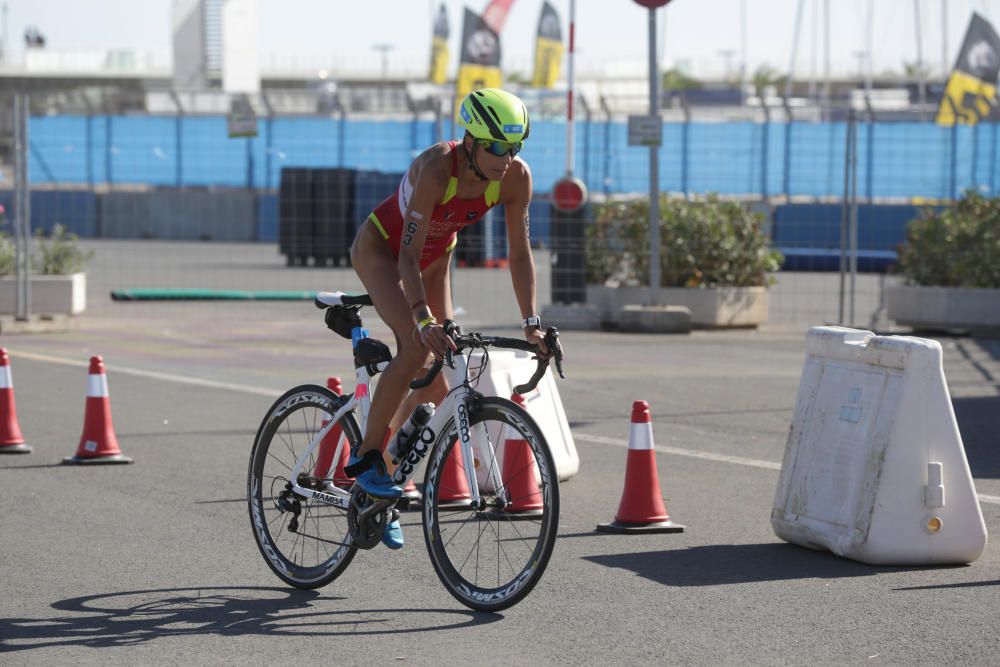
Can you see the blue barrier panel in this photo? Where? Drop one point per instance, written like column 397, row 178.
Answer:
column 809, row 235
column 59, row 150
column 895, row 159
column 76, row 210
column 267, row 217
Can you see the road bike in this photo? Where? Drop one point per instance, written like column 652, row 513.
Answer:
column 490, row 498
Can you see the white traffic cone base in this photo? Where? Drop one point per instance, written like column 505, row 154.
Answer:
column 15, row 449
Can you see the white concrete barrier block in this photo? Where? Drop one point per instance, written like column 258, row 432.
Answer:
column 508, row 368
column 874, row 468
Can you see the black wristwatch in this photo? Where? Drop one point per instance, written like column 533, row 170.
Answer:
column 533, row 321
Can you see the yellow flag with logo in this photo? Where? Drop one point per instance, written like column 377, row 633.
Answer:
column 439, row 48
column 548, row 49
column 970, row 95
column 480, row 62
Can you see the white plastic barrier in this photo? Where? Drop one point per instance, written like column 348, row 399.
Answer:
column 874, row 466
column 508, row 368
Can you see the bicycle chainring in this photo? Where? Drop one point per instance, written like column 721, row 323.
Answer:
column 366, row 531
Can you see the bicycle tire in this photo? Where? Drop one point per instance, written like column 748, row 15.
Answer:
column 443, row 523
column 286, row 430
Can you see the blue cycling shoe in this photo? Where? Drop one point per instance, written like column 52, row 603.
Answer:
column 392, row 536
column 375, row 481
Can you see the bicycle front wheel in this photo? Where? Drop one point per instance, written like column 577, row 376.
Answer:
column 490, row 557
column 305, row 542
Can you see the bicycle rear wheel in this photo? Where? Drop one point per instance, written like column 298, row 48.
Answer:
column 489, row 558
column 305, row 542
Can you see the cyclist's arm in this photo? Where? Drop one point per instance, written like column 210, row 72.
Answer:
column 518, row 188
column 431, row 178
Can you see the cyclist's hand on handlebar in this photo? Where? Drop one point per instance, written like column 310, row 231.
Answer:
column 536, row 336
column 435, row 339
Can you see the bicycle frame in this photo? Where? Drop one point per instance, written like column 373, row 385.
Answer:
column 454, row 404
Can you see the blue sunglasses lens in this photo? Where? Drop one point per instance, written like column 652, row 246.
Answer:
column 501, row 148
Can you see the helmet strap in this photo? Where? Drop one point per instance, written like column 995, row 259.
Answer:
column 472, row 162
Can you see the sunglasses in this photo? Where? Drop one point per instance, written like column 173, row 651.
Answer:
column 501, row 148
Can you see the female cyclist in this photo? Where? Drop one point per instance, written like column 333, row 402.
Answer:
column 403, row 250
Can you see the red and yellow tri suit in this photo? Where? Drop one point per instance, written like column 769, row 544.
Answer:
column 449, row 216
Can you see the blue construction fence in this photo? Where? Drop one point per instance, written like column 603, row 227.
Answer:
column 808, row 235
column 896, row 160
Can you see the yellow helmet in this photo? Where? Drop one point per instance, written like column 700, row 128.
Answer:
column 492, row 114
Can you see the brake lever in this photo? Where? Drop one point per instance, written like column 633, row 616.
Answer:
column 451, row 329
column 552, row 342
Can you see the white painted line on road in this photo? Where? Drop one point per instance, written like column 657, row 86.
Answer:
column 260, row 391
column 152, row 375
column 693, row 453
column 722, row 458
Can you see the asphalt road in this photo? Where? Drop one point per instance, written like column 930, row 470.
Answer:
column 154, row 563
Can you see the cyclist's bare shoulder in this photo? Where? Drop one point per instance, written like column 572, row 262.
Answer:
column 432, row 168
column 516, row 183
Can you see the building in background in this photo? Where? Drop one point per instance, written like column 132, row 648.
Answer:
column 197, row 42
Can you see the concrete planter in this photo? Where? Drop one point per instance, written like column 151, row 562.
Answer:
column 711, row 308
column 50, row 295
column 944, row 308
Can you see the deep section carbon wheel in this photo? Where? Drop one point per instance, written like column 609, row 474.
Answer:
column 490, row 556
column 305, row 542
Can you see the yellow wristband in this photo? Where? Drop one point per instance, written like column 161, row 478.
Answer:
column 425, row 322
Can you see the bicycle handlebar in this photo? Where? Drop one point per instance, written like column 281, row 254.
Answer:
column 475, row 340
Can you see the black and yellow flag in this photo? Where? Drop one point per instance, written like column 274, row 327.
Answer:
column 548, row 48
column 480, row 63
column 439, row 48
column 971, row 92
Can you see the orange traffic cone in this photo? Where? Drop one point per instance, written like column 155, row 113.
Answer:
column 454, row 489
column 328, row 447
column 98, row 443
column 11, row 440
column 641, row 509
column 518, row 472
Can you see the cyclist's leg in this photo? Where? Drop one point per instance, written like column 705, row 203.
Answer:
column 437, row 285
column 377, row 268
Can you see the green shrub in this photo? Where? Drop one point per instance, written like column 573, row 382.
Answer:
column 7, row 255
column 709, row 243
column 59, row 253
column 954, row 247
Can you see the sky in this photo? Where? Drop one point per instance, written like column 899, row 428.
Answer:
column 701, row 36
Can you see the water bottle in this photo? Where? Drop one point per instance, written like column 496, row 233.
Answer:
column 401, row 444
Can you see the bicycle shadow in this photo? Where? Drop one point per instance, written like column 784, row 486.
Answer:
column 741, row 563
column 136, row 617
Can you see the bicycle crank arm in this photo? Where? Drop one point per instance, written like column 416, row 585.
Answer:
column 378, row 505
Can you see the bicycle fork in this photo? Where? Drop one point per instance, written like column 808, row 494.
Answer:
column 472, row 439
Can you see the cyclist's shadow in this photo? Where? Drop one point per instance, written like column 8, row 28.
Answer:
column 134, row 617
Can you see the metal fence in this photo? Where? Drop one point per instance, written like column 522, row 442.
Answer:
column 819, row 175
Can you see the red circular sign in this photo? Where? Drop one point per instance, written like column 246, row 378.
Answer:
column 569, row 194
column 652, row 4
